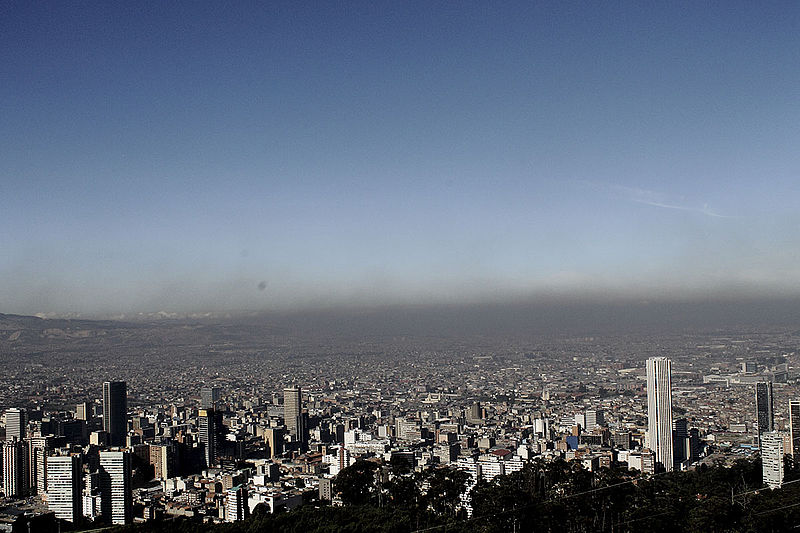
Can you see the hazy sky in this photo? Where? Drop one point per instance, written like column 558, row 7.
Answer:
column 209, row 155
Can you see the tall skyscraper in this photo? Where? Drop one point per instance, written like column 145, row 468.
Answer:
column 64, row 495
column 293, row 409
column 15, row 477
column 207, row 429
column 765, row 419
column 115, row 411
column 115, row 486
column 296, row 420
column 38, row 448
column 16, row 423
column 794, row 428
column 772, row 459
column 659, row 410
column 209, row 397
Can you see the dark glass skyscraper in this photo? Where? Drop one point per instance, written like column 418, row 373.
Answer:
column 765, row 418
column 115, row 411
column 208, row 430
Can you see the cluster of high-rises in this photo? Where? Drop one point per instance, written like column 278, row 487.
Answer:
column 773, row 444
column 667, row 437
column 88, row 474
column 73, row 484
column 216, row 457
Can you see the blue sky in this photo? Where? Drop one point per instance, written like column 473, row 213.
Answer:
column 173, row 155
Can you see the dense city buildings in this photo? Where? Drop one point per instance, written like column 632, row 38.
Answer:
column 659, row 410
column 484, row 408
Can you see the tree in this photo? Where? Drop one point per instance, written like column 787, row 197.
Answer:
column 356, row 483
column 445, row 487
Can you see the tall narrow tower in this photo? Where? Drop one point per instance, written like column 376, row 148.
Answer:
column 207, row 422
column 115, row 411
column 293, row 410
column 115, row 486
column 659, row 410
column 765, row 418
column 64, row 487
column 772, row 459
column 15, row 480
column 794, row 428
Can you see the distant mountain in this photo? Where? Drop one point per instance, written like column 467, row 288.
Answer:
column 25, row 322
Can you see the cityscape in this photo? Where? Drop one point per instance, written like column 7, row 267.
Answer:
column 242, row 425
column 399, row 267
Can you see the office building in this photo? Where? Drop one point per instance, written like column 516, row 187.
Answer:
column 594, row 418
column 115, row 486
column 621, row 440
column 16, row 423
column 38, row 449
column 207, row 422
column 115, row 411
column 772, row 459
column 83, row 411
column 293, row 410
column 325, row 489
column 274, row 439
column 15, row 477
column 236, row 507
column 765, row 419
column 64, row 495
column 475, row 412
column 680, row 440
column 92, row 500
column 659, row 411
column 794, row 428
column 294, row 417
column 209, row 397
column 164, row 459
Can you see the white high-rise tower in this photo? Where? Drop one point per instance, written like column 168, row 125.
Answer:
column 64, row 487
column 772, row 459
column 659, row 410
column 115, row 486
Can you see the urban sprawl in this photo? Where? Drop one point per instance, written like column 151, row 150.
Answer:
column 213, row 438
